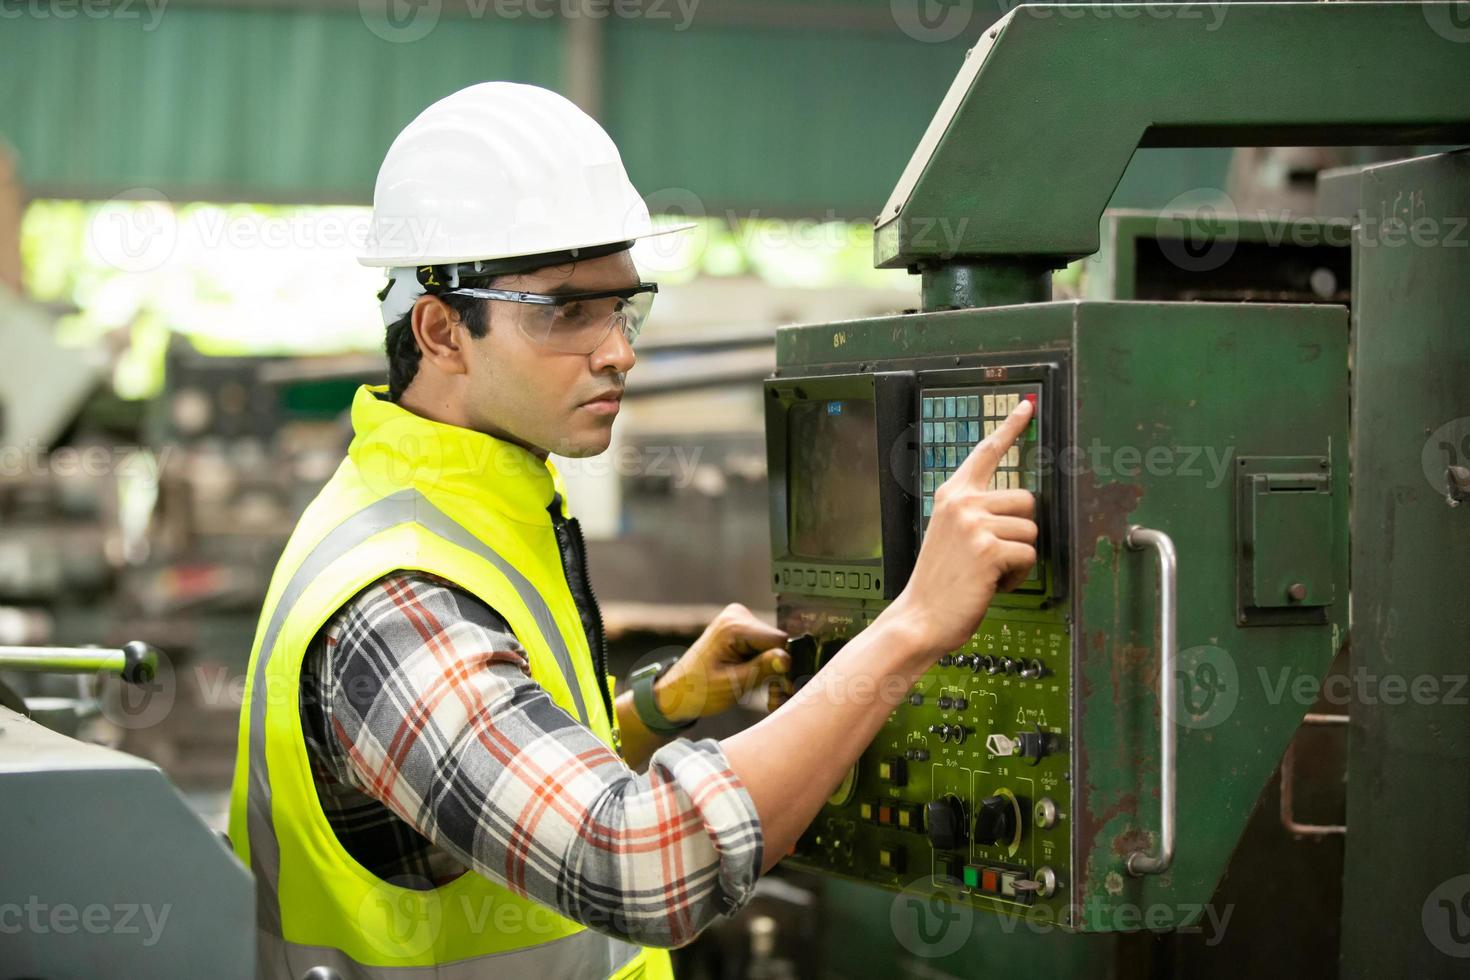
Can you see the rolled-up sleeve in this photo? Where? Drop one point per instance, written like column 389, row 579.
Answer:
column 434, row 713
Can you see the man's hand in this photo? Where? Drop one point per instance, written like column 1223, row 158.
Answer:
column 978, row 542
column 734, row 655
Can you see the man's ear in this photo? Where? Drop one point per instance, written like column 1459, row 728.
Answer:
column 440, row 334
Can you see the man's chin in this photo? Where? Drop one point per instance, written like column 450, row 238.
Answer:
column 585, row 445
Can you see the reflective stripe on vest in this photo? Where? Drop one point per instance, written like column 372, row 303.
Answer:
column 581, row 954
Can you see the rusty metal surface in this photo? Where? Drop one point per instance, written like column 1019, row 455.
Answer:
column 1168, row 398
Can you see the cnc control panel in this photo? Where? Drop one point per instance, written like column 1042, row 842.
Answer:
column 1096, row 747
column 967, row 784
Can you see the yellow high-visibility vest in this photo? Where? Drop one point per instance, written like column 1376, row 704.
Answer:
column 419, row 495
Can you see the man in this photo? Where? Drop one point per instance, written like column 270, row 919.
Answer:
column 434, row 775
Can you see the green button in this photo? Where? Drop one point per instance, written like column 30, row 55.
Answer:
column 972, row 876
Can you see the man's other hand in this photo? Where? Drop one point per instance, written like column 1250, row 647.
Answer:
column 736, row 654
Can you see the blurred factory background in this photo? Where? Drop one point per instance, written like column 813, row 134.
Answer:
column 182, row 321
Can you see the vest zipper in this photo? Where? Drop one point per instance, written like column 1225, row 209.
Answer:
column 573, row 548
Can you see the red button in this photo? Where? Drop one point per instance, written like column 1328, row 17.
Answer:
column 885, row 814
column 989, row 881
column 1031, row 397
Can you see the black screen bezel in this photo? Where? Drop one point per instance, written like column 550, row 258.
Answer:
column 894, row 398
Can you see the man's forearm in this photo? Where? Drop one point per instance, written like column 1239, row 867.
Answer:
column 792, row 760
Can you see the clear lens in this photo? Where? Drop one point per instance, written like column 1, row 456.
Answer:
column 579, row 326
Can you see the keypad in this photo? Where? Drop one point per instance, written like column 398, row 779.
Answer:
column 954, row 422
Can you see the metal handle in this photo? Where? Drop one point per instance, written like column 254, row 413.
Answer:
column 136, row 661
column 1288, row 786
column 1142, row 862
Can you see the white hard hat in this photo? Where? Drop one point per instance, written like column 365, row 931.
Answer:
column 499, row 170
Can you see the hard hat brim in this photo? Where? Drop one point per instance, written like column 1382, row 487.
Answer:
column 391, row 261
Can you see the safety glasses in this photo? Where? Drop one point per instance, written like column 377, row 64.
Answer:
column 574, row 323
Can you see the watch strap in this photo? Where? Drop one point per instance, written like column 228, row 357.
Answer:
column 646, row 705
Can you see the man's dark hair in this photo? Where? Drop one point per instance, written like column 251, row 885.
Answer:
column 403, row 350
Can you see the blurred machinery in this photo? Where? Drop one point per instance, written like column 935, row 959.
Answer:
column 1087, row 766
column 92, row 843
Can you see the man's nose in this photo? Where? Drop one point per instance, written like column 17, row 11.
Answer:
column 615, row 353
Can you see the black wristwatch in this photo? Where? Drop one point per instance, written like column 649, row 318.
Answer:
column 646, row 705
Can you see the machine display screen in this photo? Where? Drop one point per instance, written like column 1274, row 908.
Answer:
column 833, row 481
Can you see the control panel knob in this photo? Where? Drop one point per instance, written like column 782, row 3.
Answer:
column 995, row 821
column 1044, row 884
column 803, row 651
column 944, row 819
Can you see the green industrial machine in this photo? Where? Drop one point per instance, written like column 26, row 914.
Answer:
column 1406, row 886
column 1087, row 763
column 1033, row 768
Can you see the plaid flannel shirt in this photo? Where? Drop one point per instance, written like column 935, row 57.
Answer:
column 433, row 750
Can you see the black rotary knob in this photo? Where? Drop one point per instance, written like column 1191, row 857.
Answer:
column 803, row 652
column 995, row 821
column 945, row 820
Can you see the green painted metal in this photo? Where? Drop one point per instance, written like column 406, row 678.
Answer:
column 1149, row 444
column 1063, row 92
column 1406, row 901
column 958, row 285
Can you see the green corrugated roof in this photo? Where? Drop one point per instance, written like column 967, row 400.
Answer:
column 752, row 107
column 299, row 105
